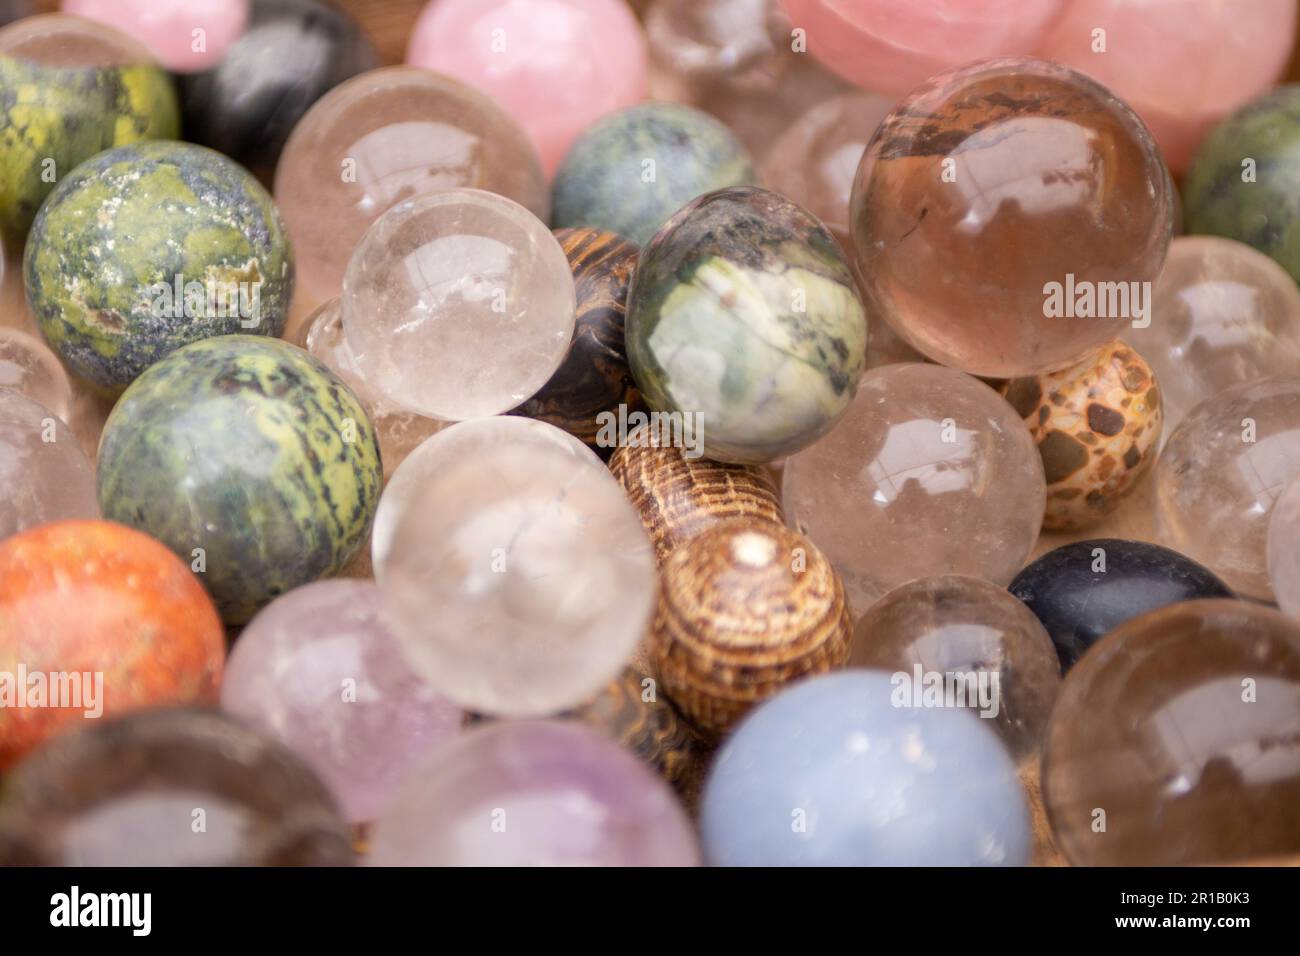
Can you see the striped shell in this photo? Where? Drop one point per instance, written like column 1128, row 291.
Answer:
column 650, row 728
column 594, row 377
column 679, row 497
column 745, row 608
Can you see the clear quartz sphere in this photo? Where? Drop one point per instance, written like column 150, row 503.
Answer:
column 1223, row 314
column 458, row 304
column 44, row 474
column 29, row 367
column 1220, row 474
column 518, row 576
column 398, row 429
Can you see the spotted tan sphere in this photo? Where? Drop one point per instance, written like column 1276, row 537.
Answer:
column 1097, row 425
column 745, row 608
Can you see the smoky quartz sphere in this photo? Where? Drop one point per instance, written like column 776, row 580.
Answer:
column 991, row 198
column 1176, row 740
column 929, row 472
column 974, row 632
column 168, row 788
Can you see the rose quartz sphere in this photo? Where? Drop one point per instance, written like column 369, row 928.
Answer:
column 168, row 27
column 557, row 66
column 890, row 46
column 1181, row 64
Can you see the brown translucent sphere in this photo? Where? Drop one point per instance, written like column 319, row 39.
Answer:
column 386, row 136
column 1176, row 740
column 929, row 472
column 969, row 634
column 996, row 208
column 61, row 40
column 168, row 788
column 814, row 161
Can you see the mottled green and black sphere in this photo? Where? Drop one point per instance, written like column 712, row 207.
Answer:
column 251, row 450
column 635, row 168
column 53, row 117
column 146, row 248
column 1244, row 181
column 744, row 313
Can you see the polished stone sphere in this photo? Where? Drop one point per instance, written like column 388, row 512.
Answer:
column 744, row 316
column 533, row 793
column 1084, row 590
column 832, row 772
column 968, row 629
column 1220, row 474
column 1006, row 216
column 1176, row 740
column 930, row 472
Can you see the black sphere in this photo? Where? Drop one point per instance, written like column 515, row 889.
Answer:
column 1083, row 591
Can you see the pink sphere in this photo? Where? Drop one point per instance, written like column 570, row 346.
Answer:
column 320, row 670
column 890, row 46
column 170, row 28
column 1181, row 64
column 557, row 66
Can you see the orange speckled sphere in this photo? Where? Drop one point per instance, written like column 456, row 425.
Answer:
column 80, row 599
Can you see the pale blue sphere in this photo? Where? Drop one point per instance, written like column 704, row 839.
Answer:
column 839, row 771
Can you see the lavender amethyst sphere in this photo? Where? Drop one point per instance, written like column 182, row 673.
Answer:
column 320, row 670
column 533, row 793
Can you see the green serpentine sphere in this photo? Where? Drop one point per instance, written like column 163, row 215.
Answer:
column 149, row 247
column 1244, row 182
column 635, row 168
column 249, row 449
column 52, row 118
column 744, row 315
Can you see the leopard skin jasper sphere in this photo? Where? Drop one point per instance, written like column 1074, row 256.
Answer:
column 679, row 493
column 249, row 459
column 594, row 377
column 70, row 88
column 632, row 710
column 745, row 608
column 1097, row 425
column 149, row 247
